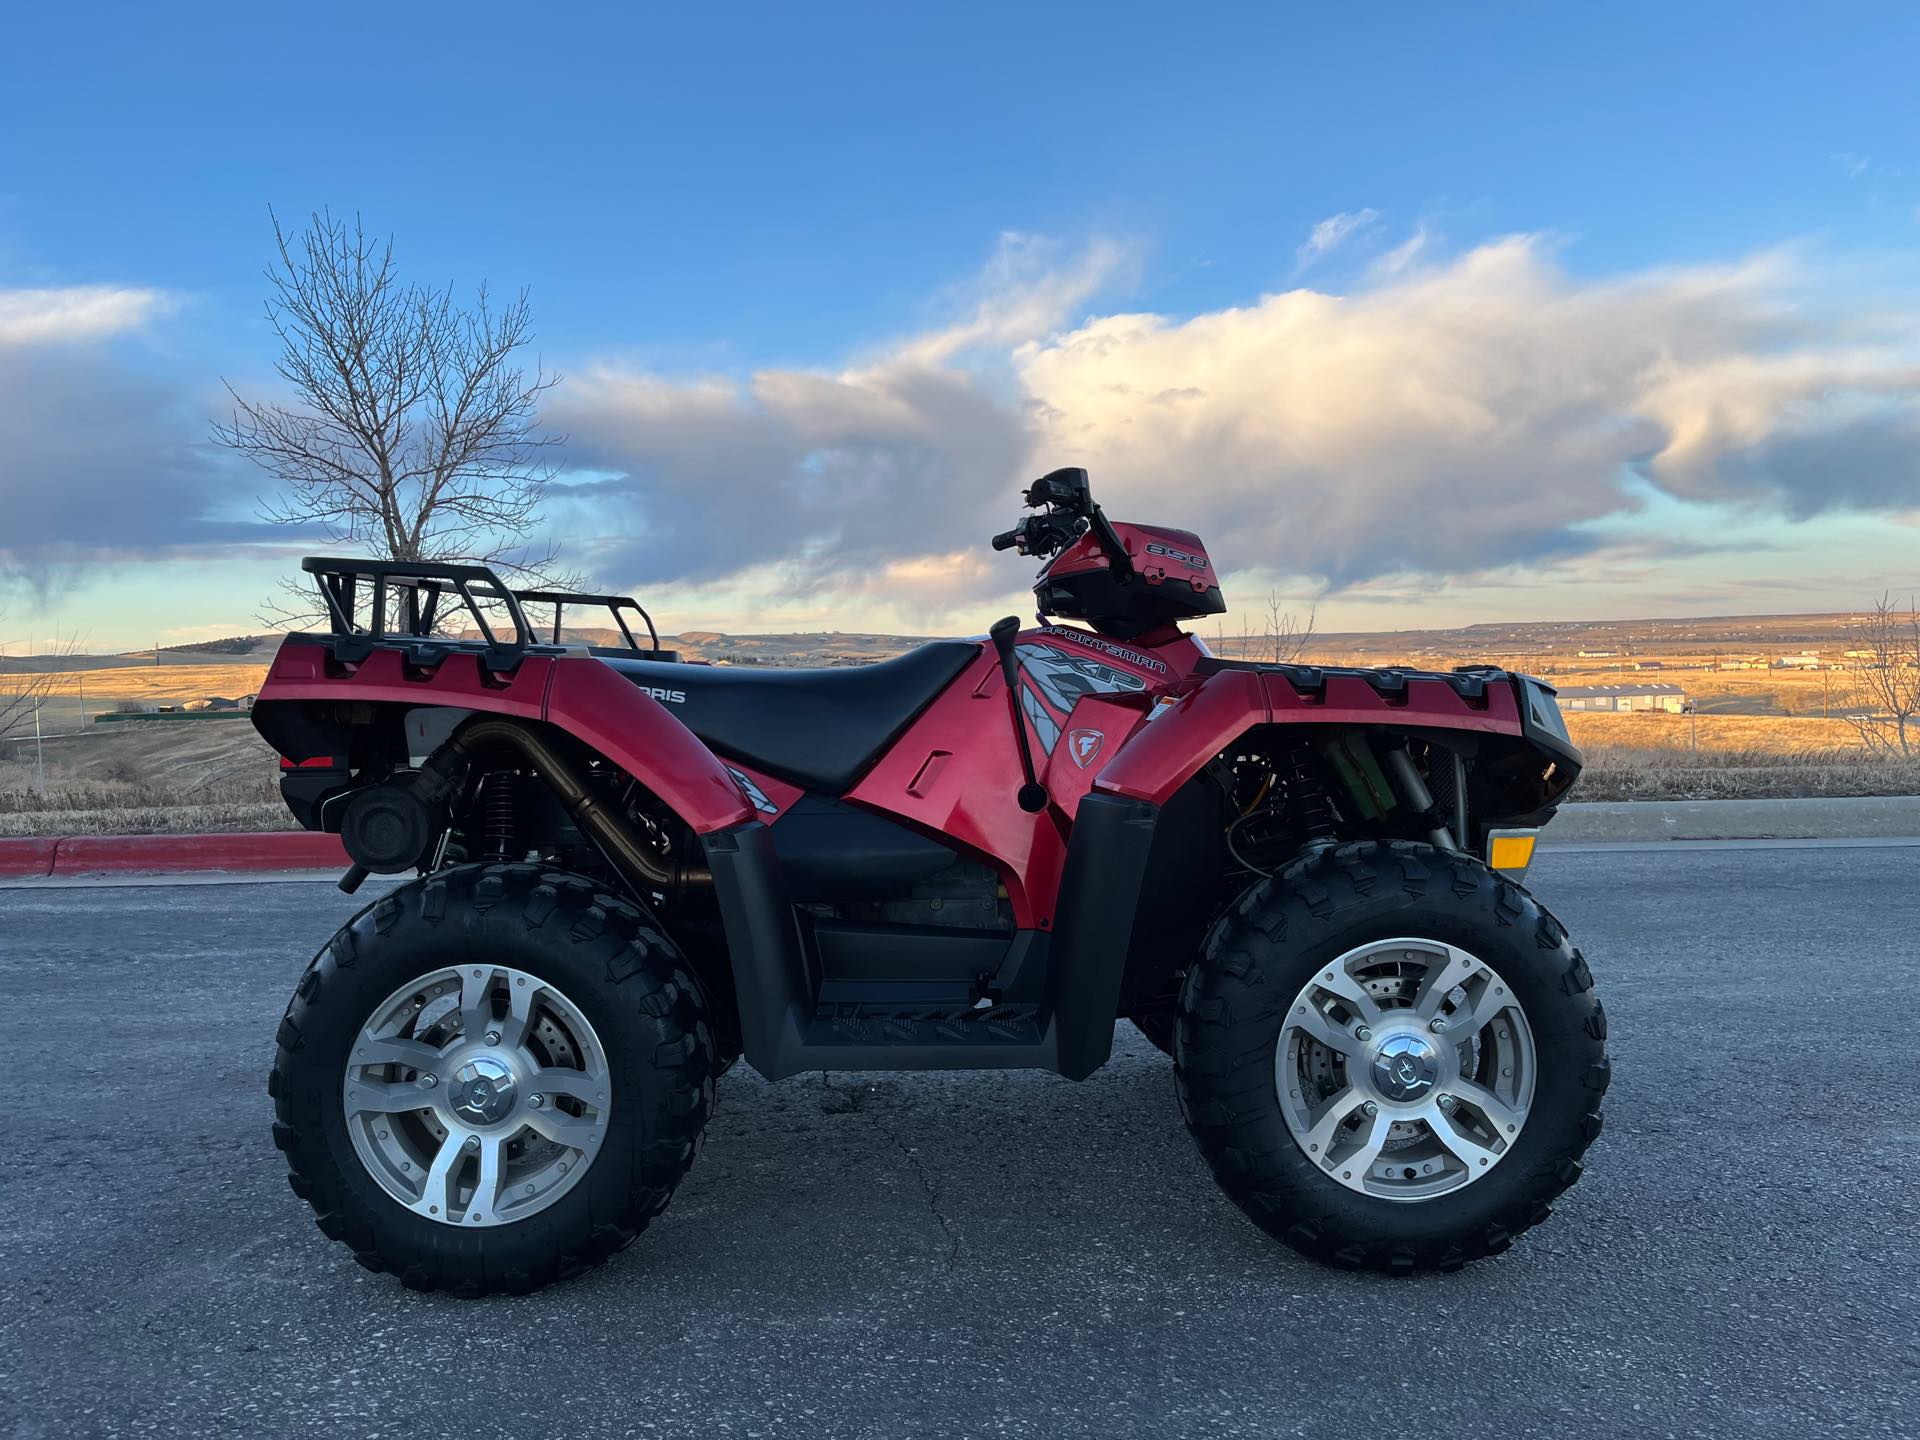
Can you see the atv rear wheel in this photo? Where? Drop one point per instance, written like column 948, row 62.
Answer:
column 492, row 1078
column 1391, row 1057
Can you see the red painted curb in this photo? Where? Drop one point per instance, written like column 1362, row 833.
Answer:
column 32, row 856
column 159, row 854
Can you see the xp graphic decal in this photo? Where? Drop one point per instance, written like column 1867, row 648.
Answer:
column 755, row 795
column 1055, row 681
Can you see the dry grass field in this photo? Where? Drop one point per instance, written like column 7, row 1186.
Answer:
column 102, row 687
column 144, row 777
column 1735, row 757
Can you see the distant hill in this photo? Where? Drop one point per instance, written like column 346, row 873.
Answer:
column 236, row 650
column 232, row 645
column 1529, row 643
column 804, row 648
column 1539, row 641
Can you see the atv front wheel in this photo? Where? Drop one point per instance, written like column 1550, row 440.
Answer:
column 1391, row 1057
column 492, row 1078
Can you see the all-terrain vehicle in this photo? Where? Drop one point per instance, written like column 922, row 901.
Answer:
column 1299, row 881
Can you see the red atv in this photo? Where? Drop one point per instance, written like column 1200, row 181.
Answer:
column 1299, row 881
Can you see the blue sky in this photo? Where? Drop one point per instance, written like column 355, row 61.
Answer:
column 741, row 222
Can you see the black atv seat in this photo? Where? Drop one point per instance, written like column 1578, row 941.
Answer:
column 815, row 728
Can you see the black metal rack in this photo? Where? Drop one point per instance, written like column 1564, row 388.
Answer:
column 403, row 602
column 614, row 604
column 374, row 601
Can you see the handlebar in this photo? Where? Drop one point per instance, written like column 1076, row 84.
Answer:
column 1069, row 513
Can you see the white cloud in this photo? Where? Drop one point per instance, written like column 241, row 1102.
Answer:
column 1024, row 291
column 100, row 458
column 829, row 476
column 79, row 312
column 1403, row 255
column 1331, row 233
column 1473, row 415
column 1482, row 411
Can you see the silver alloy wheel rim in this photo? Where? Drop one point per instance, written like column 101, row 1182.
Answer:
column 1405, row 1069
column 477, row 1095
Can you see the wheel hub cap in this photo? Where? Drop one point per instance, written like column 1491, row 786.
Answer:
column 484, row 1090
column 477, row 1094
column 1405, row 1067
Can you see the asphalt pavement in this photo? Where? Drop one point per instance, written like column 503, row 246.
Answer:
column 994, row 1254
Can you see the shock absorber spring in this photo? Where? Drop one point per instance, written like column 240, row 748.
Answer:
column 500, row 814
column 1307, row 804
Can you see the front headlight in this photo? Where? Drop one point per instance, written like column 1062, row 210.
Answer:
column 1543, row 711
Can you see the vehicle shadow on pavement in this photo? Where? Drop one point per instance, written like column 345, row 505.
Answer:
column 935, row 1173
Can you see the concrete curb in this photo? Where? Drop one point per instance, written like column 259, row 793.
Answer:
column 27, row 857
column 1588, row 823
column 76, row 855
column 1849, row 818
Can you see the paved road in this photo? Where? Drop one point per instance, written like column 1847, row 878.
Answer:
column 995, row 1254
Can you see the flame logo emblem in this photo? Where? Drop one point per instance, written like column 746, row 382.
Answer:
column 1084, row 746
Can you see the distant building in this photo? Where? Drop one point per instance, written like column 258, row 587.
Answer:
column 1670, row 698
column 220, row 702
column 1599, row 654
column 1804, row 661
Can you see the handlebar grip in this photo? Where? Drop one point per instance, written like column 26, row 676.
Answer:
column 1007, row 539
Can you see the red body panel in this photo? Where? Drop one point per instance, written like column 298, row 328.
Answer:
column 1187, row 735
column 1230, row 702
column 955, row 774
column 306, row 670
column 585, row 698
column 1128, row 718
column 1161, row 556
column 1429, row 704
column 597, row 704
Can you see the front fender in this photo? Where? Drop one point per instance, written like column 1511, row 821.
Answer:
column 1185, row 736
column 1228, row 703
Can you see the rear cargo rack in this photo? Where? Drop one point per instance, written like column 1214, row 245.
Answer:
column 373, row 602
column 401, row 601
column 615, row 604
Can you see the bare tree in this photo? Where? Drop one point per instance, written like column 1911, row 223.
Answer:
column 1882, row 695
column 1284, row 636
column 26, row 684
column 414, row 432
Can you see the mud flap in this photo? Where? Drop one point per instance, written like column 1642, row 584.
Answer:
column 1093, row 925
column 769, row 965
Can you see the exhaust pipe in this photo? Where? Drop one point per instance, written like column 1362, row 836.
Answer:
column 608, row 829
column 387, row 827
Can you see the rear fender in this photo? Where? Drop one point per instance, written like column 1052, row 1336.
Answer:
column 603, row 709
column 298, row 711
